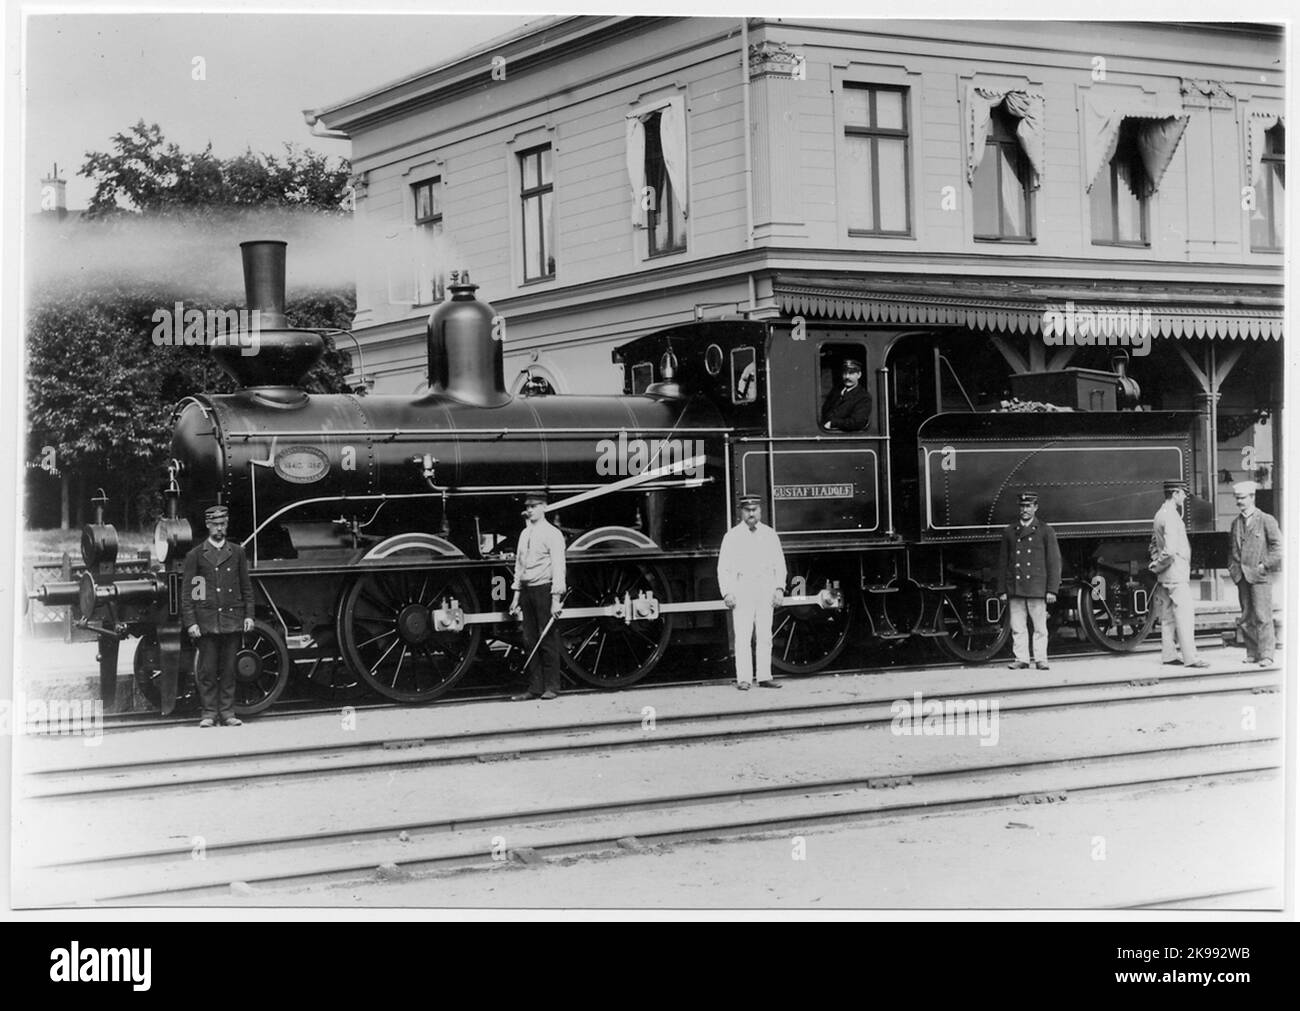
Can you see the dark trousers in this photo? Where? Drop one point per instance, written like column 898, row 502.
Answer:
column 1257, row 618
column 544, row 670
column 214, row 673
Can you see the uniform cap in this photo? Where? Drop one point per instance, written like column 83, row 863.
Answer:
column 1175, row 485
column 1245, row 488
column 1029, row 498
column 852, row 364
column 535, row 496
column 216, row 512
column 748, row 500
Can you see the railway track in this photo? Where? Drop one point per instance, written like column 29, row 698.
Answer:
column 668, row 678
column 710, row 767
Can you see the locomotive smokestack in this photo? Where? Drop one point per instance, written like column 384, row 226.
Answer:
column 264, row 279
column 267, row 354
column 465, row 354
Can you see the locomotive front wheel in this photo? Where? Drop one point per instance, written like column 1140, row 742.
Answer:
column 1109, row 622
column 609, row 652
column 388, row 638
column 971, row 637
column 147, row 668
column 806, row 639
column 262, row 670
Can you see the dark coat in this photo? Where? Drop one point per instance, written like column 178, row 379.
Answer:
column 1029, row 564
column 220, row 603
column 849, row 412
column 1254, row 542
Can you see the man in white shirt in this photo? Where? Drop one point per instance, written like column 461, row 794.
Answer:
column 539, row 588
column 751, row 576
column 1171, row 561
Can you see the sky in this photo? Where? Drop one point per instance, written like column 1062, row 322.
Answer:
column 89, row 76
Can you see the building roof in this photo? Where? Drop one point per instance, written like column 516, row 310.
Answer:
column 542, row 32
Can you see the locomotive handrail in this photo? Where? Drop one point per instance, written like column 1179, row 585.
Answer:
column 355, row 433
column 460, row 490
column 807, row 438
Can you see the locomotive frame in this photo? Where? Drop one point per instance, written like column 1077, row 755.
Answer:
column 403, row 591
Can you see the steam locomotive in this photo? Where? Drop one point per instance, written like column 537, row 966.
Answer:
column 380, row 529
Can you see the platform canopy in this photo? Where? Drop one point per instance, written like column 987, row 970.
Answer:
column 1027, row 313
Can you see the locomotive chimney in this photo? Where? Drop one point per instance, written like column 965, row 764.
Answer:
column 265, row 354
column 264, row 279
column 466, row 362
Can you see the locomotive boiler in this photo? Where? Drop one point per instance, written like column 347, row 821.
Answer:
column 380, row 529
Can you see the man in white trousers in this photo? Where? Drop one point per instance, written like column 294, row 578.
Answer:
column 751, row 576
column 1171, row 561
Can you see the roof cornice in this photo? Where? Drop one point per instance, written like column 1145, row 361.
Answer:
column 529, row 46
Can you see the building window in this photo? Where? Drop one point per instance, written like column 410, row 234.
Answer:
column 656, row 165
column 1120, row 194
column 1002, row 187
column 665, row 218
column 536, row 198
column 876, row 140
column 1267, row 220
column 430, row 272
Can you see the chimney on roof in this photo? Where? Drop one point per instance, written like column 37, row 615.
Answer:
column 54, row 194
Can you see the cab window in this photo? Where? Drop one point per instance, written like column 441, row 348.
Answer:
column 844, row 399
column 643, row 374
column 744, row 376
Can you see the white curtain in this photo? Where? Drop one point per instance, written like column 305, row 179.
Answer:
column 1260, row 124
column 1026, row 106
column 1161, row 130
column 1157, row 141
column 636, row 167
column 672, row 139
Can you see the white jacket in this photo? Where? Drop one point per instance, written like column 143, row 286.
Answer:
column 751, row 561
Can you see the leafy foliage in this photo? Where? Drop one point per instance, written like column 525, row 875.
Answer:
column 100, row 391
column 147, row 174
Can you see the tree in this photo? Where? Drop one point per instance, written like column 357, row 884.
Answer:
column 148, row 175
column 100, row 391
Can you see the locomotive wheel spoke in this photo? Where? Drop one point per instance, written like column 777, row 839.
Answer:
column 806, row 639
column 387, row 641
column 262, row 670
column 970, row 639
column 1109, row 625
column 608, row 652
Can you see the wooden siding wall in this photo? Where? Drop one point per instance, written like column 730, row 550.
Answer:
column 606, row 290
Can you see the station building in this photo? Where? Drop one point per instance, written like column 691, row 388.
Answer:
column 1045, row 195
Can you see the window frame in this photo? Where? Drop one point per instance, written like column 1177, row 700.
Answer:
column 736, row 354
column 999, row 116
column 839, row 348
column 1268, row 159
column 652, row 213
column 1123, row 151
column 537, row 193
column 434, row 220
column 874, row 134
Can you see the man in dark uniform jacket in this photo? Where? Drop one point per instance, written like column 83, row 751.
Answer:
column 217, row 608
column 848, row 409
column 1029, row 576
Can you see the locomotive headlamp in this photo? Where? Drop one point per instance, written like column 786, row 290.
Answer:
column 172, row 537
column 98, row 544
column 98, row 539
